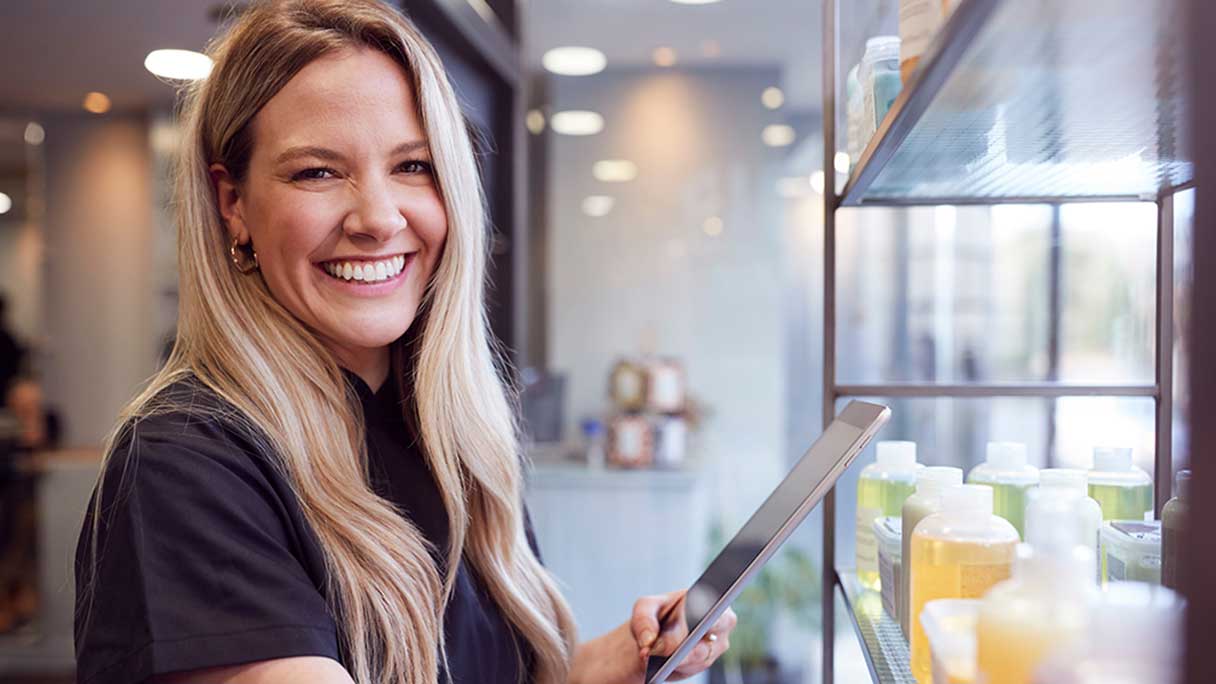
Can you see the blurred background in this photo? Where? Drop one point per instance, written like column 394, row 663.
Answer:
column 658, row 277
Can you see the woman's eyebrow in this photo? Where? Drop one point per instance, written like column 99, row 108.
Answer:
column 332, row 155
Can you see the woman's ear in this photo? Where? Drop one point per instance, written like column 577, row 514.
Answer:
column 231, row 206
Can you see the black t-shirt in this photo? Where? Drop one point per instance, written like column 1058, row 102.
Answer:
column 205, row 558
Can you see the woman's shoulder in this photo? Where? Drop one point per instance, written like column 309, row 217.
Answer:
column 188, row 417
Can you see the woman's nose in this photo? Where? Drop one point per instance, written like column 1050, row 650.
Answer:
column 376, row 214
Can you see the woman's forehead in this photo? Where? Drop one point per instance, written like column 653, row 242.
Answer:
column 355, row 96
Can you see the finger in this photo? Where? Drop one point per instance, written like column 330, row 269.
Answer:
column 726, row 623
column 644, row 623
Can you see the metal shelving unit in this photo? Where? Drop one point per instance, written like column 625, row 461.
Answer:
column 1027, row 101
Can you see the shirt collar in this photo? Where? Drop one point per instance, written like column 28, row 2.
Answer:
column 379, row 406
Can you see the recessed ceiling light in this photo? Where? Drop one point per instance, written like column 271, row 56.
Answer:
column 614, row 170
column 577, row 122
column 712, row 226
column 777, row 135
column 178, row 65
column 96, row 102
column 598, row 206
column 34, row 133
column 772, row 97
column 841, row 162
column 664, row 56
column 6, row 203
column 817, row 182
column 535, row 121
column 574, row 61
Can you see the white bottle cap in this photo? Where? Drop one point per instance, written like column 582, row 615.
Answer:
column 882, row 47
column 968, row 498
column 897, row 455
column 1051, row 520
column 1112, row 458
column 1135, row 620
column 935, row 479
column 1068, row 479
column 1007, row 455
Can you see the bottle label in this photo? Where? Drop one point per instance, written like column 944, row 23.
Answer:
column 867, row 545
column 888, row 574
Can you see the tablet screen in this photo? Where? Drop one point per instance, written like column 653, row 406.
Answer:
column 839, row 442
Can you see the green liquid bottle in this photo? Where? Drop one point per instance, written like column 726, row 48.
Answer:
column 1010, row 475
column 1124, row 491
column 881, row 491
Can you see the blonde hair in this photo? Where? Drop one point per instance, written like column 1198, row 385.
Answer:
column 385, row 591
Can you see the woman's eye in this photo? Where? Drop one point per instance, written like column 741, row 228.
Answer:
column 415, row 166
column 313, row 174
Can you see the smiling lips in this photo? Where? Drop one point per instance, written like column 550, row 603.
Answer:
column 365, row 271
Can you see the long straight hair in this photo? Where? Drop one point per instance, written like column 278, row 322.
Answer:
column 385, row 590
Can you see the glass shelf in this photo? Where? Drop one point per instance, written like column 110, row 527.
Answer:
column 882, row 641
column 1024, row 100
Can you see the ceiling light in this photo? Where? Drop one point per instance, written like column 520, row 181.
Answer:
column 614, row 170
column 598, row 206
column 841, row 162
column 817, row 182
column 777, row 135
column 712, row 226
column 6, row 203
column 34, row 133
column 577, row 122
column 178, row 65
column 96, row 102
column 574, row 61
column 664, row 56
column 772, row 97
column 535, row 121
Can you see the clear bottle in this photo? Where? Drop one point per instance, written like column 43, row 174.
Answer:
column 931, row 483
column 593, row 443
column 960, row 552
column 853, row 107
column 1045, row 606
column 1010, row 475
column 882, row 489
column 1069, row 482
column 1173, row 533
column 879, row 65
column 1124, row 491
column 1135, row 636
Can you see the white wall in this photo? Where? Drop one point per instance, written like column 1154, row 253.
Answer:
column 648, row 278
column 98, row 295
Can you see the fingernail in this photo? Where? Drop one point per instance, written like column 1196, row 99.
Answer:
column 647, row 638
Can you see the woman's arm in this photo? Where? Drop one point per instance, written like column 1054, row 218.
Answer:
column 609, row 659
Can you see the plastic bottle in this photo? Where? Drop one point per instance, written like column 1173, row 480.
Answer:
column 879, row 72
column 1134, row 637
column 882, row 489
column 960, row 552
column 1124, row 491
column 931, row 483
column 1173, row 533
column 919, row 22
column 890, row 562
column 1069, row 482
column 854, row 104
column 593, row 438
column 1131, row 551
column 1045, row 606
column 1009, row 474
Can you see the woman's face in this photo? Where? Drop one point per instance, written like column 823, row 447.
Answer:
column 340, row 201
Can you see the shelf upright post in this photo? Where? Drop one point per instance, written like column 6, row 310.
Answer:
column 1163, row 462
column 831, row 34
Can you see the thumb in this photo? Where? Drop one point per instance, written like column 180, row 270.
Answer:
column 644, row 623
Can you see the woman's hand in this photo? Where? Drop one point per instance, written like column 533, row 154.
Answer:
column 645, row 628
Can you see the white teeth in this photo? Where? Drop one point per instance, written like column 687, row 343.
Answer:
column 370, row 272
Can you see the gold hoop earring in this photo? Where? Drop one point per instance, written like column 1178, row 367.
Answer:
column 243, row 264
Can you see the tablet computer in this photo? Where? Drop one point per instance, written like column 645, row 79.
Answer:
column 806, row 484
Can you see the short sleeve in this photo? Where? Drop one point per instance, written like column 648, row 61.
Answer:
column 198, row 565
